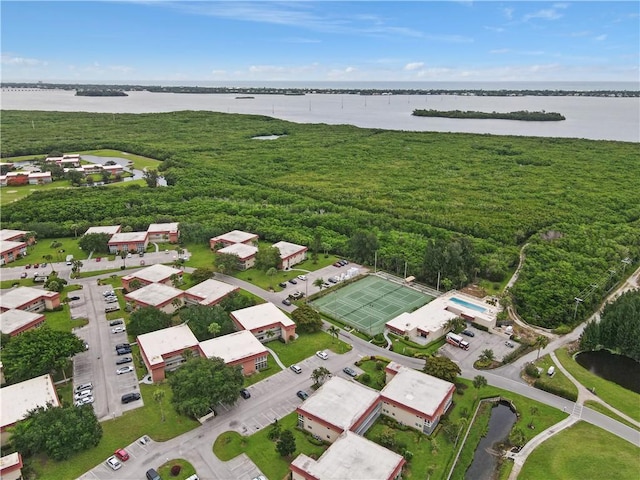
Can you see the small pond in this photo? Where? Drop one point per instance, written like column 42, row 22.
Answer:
column 267, row 137
column 485, row 458
column 616, row 368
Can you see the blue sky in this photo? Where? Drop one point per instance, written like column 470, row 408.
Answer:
column 319, row 41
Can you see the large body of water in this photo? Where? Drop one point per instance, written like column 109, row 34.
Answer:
column 596, row 118
column 616, row 368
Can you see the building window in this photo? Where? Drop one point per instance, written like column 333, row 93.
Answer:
column 261, row 363
column 301, row 420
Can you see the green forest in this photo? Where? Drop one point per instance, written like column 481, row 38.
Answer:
column 522, row 115
column 459, row 204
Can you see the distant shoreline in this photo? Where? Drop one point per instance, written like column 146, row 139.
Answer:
column 522, row 115
column 480, row 92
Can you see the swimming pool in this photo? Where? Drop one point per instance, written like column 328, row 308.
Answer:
column 470, row 305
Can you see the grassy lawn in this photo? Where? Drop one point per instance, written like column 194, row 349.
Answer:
column 122, row 431
column 201, row 255
column 65, row 393
column 377, row 376
column 618, row 397
column 598, row 407
column 582, row 451
column 36, row 252
column 307, row 345
column 556, row 384
column 23, row 282
column 61, row 320
column 186, row 469
column 410, row 349
column 14, row 193
column 262, row 451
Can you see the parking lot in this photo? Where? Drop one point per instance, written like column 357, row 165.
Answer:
column 481, row 341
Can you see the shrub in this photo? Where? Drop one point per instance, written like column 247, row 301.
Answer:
column 531, row 370
column 365, row 377
column 175, row 470
column 379, row 366
column 562, row 330
column 479, row 327
column 556, row 390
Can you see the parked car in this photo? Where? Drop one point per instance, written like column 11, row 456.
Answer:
column 302, row 277
column 113, row 323
column 111, row 300
column 343, row 262
column 123, row 360
column 43, row 264
column 84, row 401
column 108, row 293
column 509, row 344
column 130, row 397
column 286, row 301
column 122, row 345
column 244, row 393
column 127, row 369
column 122, row 454
column 23, row 275
column 302, row 395
column 74, row 298
column 129, row 255
column 326, row 285
column 82, row 394
column 123, row 351
column 293, row 281
column 349, row 371
column 153, row 475
column 36, row 265
column 98, row 259
column 113, row 462
column 296, row 295
column 296, row 368
column 334, row 279
column 28, row 265
column 142, row 262
column 283, row 284
column 337, row 264
column 83, row 386
column 468, row 333
column 118, row 329
column 322, row 354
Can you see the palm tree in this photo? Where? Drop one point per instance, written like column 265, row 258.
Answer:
column 271, row 273
column 318, row 282
column 135, row 284
column 478, row 382
column 487, row 355
column 270, row 334
column 48, row 257
column 123, row 256
column 213, row 328
column 177, row 303
column 333, row 331
column 540, row 343
column 76, row 266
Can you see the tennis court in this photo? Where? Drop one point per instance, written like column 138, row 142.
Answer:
column 370, row 303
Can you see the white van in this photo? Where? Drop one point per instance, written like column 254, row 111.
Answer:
column 551, row 371
column 69, row 259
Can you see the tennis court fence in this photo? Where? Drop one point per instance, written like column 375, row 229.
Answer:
column 415, row 286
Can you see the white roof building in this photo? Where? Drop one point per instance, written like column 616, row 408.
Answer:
column 21, row 296
column 156, row 228
column 210, row 291
column 19, row 399
column 240, row 250
column 165, row 342
column 340, row 403
column 234, row 347
column 350, row 457
column 235, row 236
column 129, row 237
column 6, row 234
column 13, row 321
column 260, row 317
column 155, row 295
column 289, row 249
column 154, row 274
column 416, row 391
column 108, row 229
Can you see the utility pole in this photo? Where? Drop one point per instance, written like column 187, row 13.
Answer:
column 575, row 312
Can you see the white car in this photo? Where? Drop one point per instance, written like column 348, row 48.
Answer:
column 113, row 462
column 302, row 277
column 126, row 369
column 82, row 394
column 119, row 329
column 84, row 386
column 84, row 401
column 108, row 293
column 322, row 354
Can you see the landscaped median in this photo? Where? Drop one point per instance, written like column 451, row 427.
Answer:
column 618, row 397
column 558, row 383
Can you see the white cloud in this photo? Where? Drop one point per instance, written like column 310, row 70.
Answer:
column 508, row 12
column 544, row 14
column 413, row 66
column 601, row 37
column 9, row 59
column 500, row 51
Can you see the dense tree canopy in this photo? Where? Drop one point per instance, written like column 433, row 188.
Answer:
column 199, row 318
column 442, row 367
column 618, row 328
column 307, row 319
column 267, row 258
column 39, row 351
column 147, row 319
column 365, row 190
column 95, row 242
column 57, row 432
column 201, row 383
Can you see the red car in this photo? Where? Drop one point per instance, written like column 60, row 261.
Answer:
column 98, row 259
column 28, row 265
column 122, row 454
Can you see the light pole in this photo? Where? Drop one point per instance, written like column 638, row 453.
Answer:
column 575, row 312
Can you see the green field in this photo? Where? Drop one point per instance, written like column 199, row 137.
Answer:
column 582, row 451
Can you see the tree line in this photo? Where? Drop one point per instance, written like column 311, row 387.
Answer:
column 523, row 115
